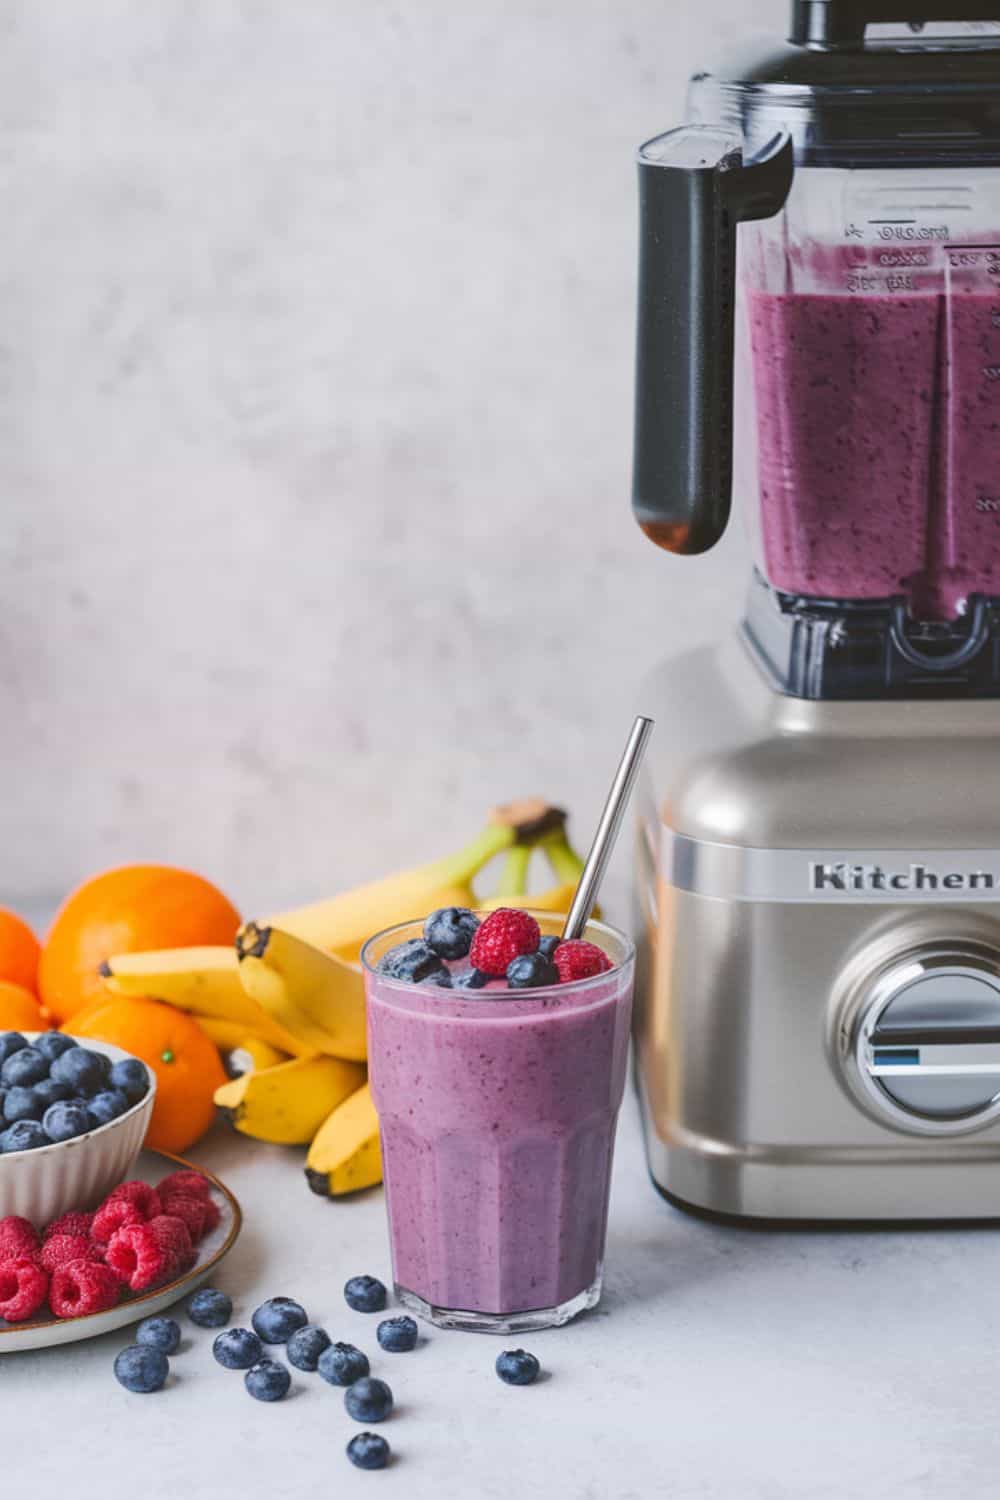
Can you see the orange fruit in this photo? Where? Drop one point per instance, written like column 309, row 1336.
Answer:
column 186, row 1064
column 130, row 910
column 19, row 1009
column 19, row 950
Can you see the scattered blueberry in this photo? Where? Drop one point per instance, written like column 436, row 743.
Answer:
column 306, row 1345
column 472, row 979
column 413, row 961
column 397, row 1335
column 530, row 970
column 548, row 945
column 141, row 1368
column 49, row 1090
column 342, row 1364
column 25, row 1067
column 237, row 1349
column 367, row 1450
column 368, row 1400
column 159, row 1333
column 52, row 1044
column 278, row 1318
column 365, row 1294
column 209, row 1308
column 65, row 1118
column 25, row 1135
column 450, row 930
column 130, row 1075
column 517, row 1367
column 268, row 1381
column 11, row 1042
column 106, row 1106
column 86, row 1072
column 22, row 1104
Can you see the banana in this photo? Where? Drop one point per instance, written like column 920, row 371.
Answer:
column 343, row 924
column 287, row 1104
column 345, row 1154
column 566, row 864
column 318, row 997
column 225, row 1034
column 203, row 981
column 251, row 1055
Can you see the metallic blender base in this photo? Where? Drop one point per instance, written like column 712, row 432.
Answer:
column 515, row 1322
column 756, row 967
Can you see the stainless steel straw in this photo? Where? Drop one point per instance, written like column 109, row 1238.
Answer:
column 607, row 830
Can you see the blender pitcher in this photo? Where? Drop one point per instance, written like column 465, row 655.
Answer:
column 819, row 323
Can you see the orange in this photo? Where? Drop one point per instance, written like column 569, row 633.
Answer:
column 19, row 950
column 130, row 910
column 19, row 1010
column 186, row 1064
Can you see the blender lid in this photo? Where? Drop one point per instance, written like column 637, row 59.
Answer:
column 872, row 83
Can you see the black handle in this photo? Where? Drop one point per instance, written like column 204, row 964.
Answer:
column 694, row 188
column 841, row 23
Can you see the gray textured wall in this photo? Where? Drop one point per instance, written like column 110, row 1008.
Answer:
column 316, row 332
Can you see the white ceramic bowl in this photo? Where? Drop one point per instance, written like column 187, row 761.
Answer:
column 42, row 1184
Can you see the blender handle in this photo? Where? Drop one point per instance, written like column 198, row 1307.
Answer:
column 841, row 23
column 694, row 188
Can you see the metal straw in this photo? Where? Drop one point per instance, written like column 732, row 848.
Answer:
column 607, row 830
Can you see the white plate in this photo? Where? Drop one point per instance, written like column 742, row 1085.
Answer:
column 44, row 1331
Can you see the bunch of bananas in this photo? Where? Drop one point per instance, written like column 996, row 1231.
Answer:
column 287, row 1002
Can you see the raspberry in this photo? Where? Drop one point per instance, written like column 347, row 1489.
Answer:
column 114, row 1214
column 81, row 1287
column 71, row 1223
column 23, row 1288
column 145, row 1198
column 502, row 937
column 137, row 1257
column 579, row 960
column 188, row 1183
column 172, row 1236
column 18, row 1238
column 59, row 1249
column 199, row 1214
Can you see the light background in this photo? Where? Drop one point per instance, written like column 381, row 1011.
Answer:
column 316, row 334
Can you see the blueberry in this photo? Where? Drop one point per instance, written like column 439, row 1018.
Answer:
column 278, row 1318
column 397, row 1335
column 306, row 1345
column 141, row 1368
column 106, row 1106
column 159, row 1333
column 209, row 1308
column 86, row 1072
column 342, row 1364
column 442, row 981
column 130, row 1075
column 450, row 930
column 25, row 1135
column 65, row 1119
column 22, row 1104
column 268, row 1381
column 472, row 979
column 365, row 1294
column 517, row 1367
column 49, row 1090
column 52, row 1044
column 368, row 1400
column 412, row 961
column 548, row 945
column 25, row 1067
column 367, row 1450
column 11, row 1042
column 530, row 970
column 237, row 1349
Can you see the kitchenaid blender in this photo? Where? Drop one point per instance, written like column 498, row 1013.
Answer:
column 818, row 865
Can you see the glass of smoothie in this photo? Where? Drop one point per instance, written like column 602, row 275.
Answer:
column 497, row 1109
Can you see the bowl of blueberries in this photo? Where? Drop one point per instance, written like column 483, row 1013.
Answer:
column 73, row 1118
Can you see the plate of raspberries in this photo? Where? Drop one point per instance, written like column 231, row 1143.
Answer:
column 151, row 1241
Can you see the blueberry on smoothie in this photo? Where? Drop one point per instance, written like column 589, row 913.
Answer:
column 412, row 961
column 517, row 1367
column 472, row 979
column 450, row 930
column 548, row 945
column 531, row 970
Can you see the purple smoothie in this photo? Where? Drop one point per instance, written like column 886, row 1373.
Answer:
column 497, row 1118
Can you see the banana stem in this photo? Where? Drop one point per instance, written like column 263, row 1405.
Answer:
column 514, row 873
column 458, row 868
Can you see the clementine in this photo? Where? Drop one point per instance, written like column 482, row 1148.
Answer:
column 186, row 1063
column 19, row 950
column 19, row 1009
column 129, row 910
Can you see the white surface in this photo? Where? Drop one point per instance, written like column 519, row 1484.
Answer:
column 722, row 1363
column 316, row 346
